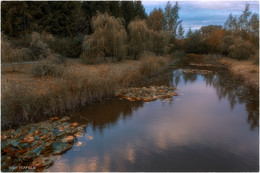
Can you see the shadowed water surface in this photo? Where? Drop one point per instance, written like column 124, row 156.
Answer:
column 211, row 126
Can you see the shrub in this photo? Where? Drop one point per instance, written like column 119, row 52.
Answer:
column 241, row 49
column 49, row 67
column 227, row 42
column 179, row 54
column 108, row 39
column 40, row 43
column 68, row 47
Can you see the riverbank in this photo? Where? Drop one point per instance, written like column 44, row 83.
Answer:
column 27, row 99
column 247, row 70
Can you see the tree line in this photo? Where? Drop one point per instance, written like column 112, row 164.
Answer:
column 90, row 30
column 238, row 38
column 94, row 30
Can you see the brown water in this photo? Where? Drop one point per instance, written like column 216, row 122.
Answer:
column 211, row 126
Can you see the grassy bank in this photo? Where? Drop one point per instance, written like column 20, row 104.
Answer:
column 26, row 98
column 246, row 69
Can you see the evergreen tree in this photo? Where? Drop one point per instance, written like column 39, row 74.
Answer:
column 189, row 33
column 180, row 32
column 254, row 24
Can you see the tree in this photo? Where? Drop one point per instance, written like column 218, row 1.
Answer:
column 196, row 44
column 17, row 17
column 180, row 32
column 189, row 33
column 172, row 16
column 131, row 10
column 139, row 35
column 254, row 24
column 231, row 23
column 214, row 40
column 156, row 20
column 243, row 18
column 108, row 39
column 160, row 41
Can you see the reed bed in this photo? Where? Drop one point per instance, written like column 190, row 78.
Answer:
column 28, row 99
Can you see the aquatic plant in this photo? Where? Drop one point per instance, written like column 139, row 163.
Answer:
column 37, row 145
column 147, row 94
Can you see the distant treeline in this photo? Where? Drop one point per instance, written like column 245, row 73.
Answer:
column 94, row 30
column 68, row 18
column 90, row 30
column 238, row 39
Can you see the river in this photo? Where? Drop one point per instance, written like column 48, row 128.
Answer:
column 212, row 125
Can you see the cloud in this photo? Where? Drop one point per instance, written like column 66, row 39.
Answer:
column 200, row 13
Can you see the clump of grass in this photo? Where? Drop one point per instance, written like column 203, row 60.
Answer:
column 150, row 64
column 46, row 69
column 50, row 66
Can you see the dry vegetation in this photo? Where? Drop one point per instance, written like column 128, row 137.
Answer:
column 246, row 69
column 26, row 98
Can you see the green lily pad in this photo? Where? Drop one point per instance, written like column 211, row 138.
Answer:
column 60, row 147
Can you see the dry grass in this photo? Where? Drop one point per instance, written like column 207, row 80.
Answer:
column 246, row 69
column 26, row 98
column 192, row 55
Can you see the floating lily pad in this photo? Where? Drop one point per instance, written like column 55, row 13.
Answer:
column 60, row 147
column 197, row 71
column 201, row 65
column 146, row 94
column 34, row 144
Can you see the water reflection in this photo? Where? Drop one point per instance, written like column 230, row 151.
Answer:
column 235, row 91
column 204, row 130
column 106, row 114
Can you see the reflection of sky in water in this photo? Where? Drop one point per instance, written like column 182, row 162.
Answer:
column 197, row 131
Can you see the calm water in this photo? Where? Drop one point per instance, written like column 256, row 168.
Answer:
column 211, row 126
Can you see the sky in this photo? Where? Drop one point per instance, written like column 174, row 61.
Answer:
column 201, row 13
